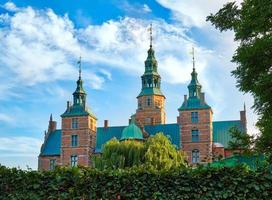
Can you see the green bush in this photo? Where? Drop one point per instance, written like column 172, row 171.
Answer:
column 83, row 183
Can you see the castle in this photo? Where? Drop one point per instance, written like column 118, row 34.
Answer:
column 195, row 132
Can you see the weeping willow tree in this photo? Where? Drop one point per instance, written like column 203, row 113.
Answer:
column 156, row 153
column 120, row 155
column 162, row 154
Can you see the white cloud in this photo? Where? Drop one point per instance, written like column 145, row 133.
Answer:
column 193, row 13
column 146, row 8
column 10, row 6
column 39, row 46
column 23, row 146
column 5, row 118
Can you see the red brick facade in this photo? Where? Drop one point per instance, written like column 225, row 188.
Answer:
column 86, row 133
column 204, row 127
column 44, row 162
column 150, row 110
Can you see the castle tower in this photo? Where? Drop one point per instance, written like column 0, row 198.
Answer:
column 195, row 120
column 151, row 100
column 78, row 129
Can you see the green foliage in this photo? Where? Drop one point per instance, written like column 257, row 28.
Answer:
column 162, row 154
column 86, row 183
column 120, row 155
column 157, row 153
column 252, row 25
column 241, row 141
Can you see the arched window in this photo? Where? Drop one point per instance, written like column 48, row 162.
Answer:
column 156, row 83
column 195, row 156
column 149, row 82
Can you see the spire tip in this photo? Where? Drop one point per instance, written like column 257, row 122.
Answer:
column 150, row 33
column 79, row 67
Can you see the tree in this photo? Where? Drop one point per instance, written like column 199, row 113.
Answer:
column 162, row 154
column 119, row 155
column 156, row 153
column 241, row 141
column 252, row 25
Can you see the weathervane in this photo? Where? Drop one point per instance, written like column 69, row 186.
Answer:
column 150, row 32
column 193, row 54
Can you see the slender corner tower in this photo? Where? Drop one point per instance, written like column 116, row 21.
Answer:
column 78, row 129
column 151, row 108
column 195, row 120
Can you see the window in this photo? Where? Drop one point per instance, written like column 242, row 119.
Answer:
column 195, row 136
column 74, row 123
column 195, row 156
column 148, row 101
column 52, row 164
column 194, row 117
column 73, row 160
column 140, row 104
column 74, row 141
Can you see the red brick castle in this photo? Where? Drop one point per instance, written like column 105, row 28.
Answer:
column 195, row 131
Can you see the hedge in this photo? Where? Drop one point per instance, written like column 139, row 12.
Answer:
column 83, row 183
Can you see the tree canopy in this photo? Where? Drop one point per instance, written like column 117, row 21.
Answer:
column 157, row 153
column 252, row 25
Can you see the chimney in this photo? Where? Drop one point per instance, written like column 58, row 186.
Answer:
column 52, row 126
column 202, row 97
column 68, row 105
column 185, row 98
column 243, row 118
column 106, row 123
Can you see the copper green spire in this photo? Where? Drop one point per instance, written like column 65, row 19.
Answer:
column 79, row 106
column 194, row 86
column 196, row 98
column 79, row 94
column 151, row 80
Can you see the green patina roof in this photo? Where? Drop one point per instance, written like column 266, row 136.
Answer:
column 132, row 132
column 79, row 107
column 77, row 110
column 194, row 103
column 150, row 91
column 52, row 144
column 252, row 161
column 221, row 131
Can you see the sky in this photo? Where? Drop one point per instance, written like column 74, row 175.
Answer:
column 41, row 41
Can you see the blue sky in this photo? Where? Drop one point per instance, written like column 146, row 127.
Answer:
column 40, row 42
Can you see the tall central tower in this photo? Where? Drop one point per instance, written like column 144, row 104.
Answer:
column 151, row 109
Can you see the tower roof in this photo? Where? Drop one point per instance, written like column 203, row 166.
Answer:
column 151, row 80
column 196, row 98
column 79, row 107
